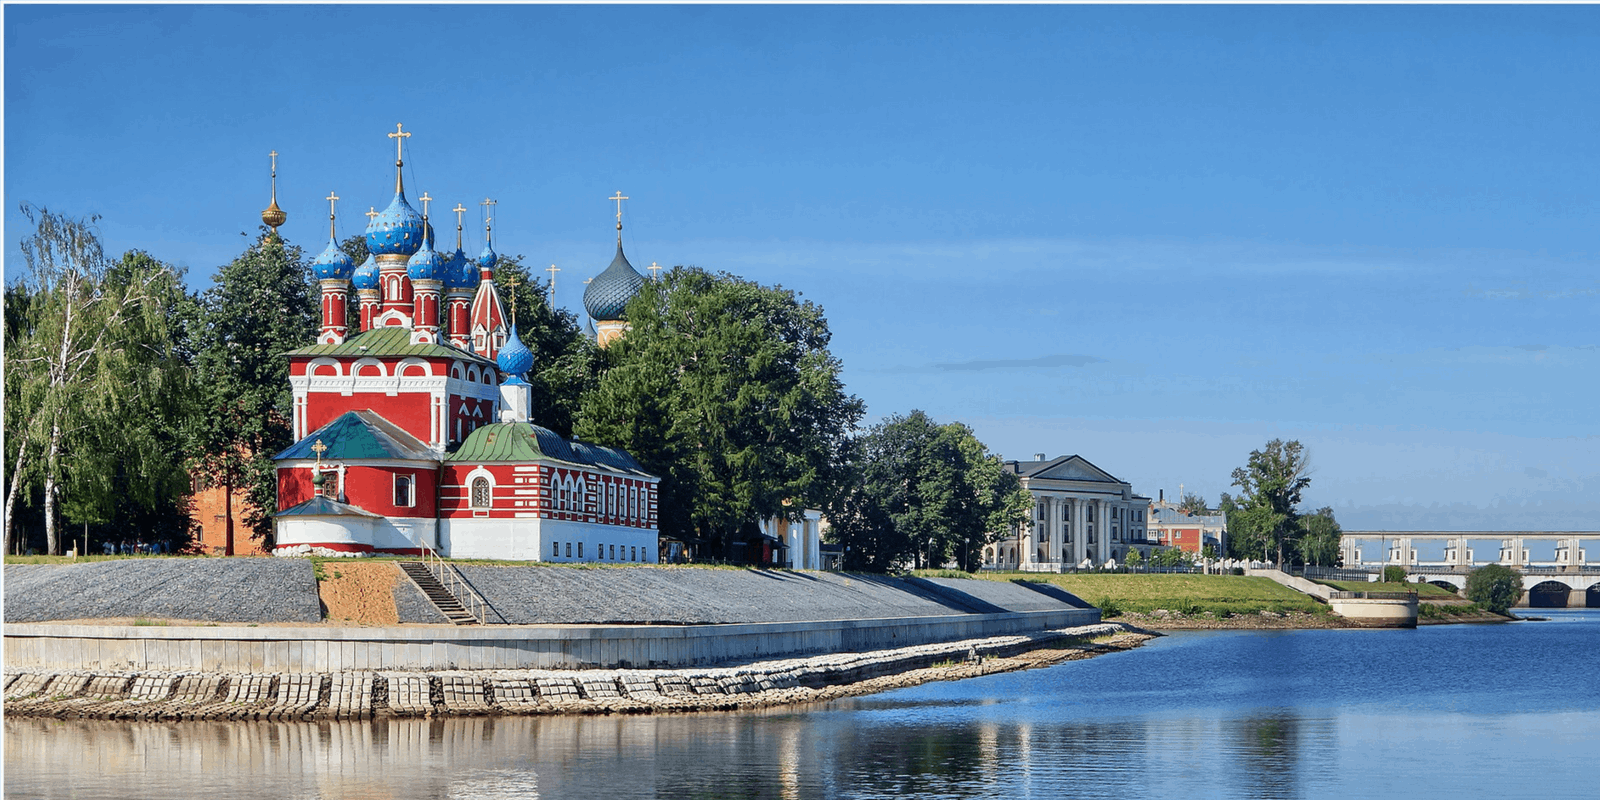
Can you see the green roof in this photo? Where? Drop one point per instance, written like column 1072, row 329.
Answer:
column 358, row 435
column 323, row 507
column 391, row 341
column 523, row 441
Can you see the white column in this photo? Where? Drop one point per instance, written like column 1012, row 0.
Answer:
column 1079, row 532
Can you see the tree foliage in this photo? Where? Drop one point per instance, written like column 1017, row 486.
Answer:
column 1265, row 519
column 1193, row 504
column 260, row 306
column 566, row 364
column 1495, row 587
column 917, row 491
column 727, row 390
column 95, row 383
column 1319, row 540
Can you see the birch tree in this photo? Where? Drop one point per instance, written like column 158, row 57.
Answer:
column 86, row 361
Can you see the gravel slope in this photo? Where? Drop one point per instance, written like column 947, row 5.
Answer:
column 204, row 589
column 555, row 595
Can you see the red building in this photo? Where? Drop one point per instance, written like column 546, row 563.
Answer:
column 413, row 432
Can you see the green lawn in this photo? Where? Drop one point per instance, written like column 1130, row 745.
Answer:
column 1422, row 589
column 1188, row 594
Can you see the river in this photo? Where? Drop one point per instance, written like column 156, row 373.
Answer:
column 1447, row 711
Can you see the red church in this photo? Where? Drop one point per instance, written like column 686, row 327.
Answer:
column 413, row 432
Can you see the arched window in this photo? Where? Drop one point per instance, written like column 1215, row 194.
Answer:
column 481, row 495
column 579, row 495
column 633, row 503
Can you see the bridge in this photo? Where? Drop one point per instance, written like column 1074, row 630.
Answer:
column 1555, row 565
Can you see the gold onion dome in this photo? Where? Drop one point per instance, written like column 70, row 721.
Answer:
column 272, row 215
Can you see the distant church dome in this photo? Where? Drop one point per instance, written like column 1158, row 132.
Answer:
column 332, row 263
column 426, row 264
column 515, row 359
column 396, row 231
column 366, row 275
column 459, row 271
column 487, row 258
column 608, row 294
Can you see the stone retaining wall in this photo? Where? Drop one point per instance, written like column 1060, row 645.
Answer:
column 335, row 649
column 363, row 694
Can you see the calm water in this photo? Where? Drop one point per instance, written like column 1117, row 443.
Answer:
column 1451, row 711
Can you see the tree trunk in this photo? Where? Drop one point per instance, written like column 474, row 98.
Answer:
column 11, row 496
column 227, row 512
column 52, row 466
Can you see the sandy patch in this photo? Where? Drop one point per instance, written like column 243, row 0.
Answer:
column 359, row 592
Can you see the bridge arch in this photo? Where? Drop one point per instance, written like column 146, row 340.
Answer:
column 1548, row 594
column 1592, row 596
column 1445, row 585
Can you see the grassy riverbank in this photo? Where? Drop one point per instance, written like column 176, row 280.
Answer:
column 1423, row 590
column 1221, row 596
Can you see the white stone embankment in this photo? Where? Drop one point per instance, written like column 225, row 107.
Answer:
column 367, row 693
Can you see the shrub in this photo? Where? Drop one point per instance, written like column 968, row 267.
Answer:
column 1394, row 574
column 1237, row 570
column 1494, row 587
column 1109, row 608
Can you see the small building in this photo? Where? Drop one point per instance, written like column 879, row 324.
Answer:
column 1082, row 516
column 1191, row 533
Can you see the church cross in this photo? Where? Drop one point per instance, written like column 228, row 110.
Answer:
column 459, row 209
column 425, row 201
column 619, row 198
column 553, row 270
column 489, row 211
column 372, row 211
column 274, row 155
column 511, row 281
column 332, row 199
column 655, row 270
column 319, row 448
column 397, row 136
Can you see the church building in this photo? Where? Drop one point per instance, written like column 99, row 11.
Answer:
column 413, row 432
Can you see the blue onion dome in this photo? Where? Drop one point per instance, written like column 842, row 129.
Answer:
column 426, row 264
column 333, row 263
column 514, row 359
column 397, row 231
column 460, row 272
column 487, row 258
column 366, row 276
column 608, row 294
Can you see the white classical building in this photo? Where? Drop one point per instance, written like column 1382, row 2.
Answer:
column 1082, row 516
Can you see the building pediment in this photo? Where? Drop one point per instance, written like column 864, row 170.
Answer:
column 1071, row 468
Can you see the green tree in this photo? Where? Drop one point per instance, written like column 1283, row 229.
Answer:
column 1495, row 587
column 920, row 491
column 260, row 306
column 1171, row 557
column 1134, row 559
column 1209, row 552
column 725, row 389
column 1271, row 483
column 1319, row 544
column 1193, row 504
column 91, row 376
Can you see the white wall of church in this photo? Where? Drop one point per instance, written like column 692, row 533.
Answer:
column 531, row 539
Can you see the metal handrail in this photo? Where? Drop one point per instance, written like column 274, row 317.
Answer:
column 451, row 580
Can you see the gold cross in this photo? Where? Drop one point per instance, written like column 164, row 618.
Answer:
column 619, row 198
column 372, row 211
column 489, row 204
column 397, row 136
column 319, row 448
column 331, row 198
column 512, row 283
column 553, row 270
column 655, row 270
column 459, row 209
column 274, row 155
column 425, row 201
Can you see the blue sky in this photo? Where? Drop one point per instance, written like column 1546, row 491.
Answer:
column 1153, row 236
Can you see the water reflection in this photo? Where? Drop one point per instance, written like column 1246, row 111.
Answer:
column 1313, row 714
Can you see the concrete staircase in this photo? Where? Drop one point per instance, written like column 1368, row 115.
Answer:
column 447, row 603
column 1295, row 582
